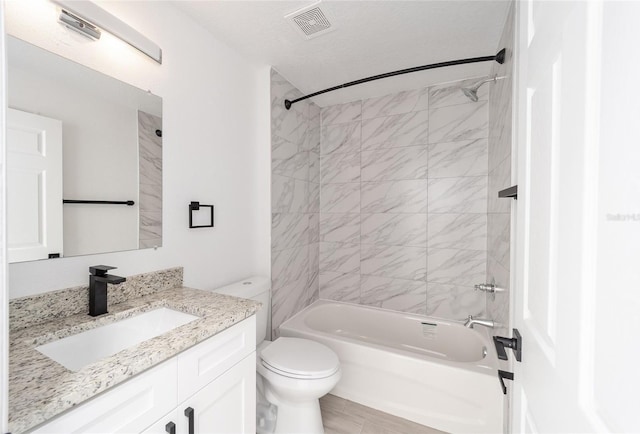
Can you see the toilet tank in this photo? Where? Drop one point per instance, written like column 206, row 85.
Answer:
column 257, row 288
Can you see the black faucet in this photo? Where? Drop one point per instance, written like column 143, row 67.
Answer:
column 98, row 280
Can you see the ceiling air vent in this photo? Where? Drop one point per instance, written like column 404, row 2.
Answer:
column 310, row 21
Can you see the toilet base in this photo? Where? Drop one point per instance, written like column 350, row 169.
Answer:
column 300, row 417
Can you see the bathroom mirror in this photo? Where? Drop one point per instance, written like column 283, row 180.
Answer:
column 84, row 159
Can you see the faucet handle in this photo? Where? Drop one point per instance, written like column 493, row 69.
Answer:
column 100, row 270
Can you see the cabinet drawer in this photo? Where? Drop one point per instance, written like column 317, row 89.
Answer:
column 124, row 409
column 200, row 365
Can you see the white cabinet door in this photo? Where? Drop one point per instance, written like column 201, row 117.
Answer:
column 128, row 408
column 34, row 177
column 203, row 363
column 226, row 405
column 162, row 425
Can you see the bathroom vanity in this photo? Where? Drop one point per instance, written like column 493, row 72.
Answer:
column 196, row 377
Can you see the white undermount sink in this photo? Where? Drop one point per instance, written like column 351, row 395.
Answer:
column 77, row 351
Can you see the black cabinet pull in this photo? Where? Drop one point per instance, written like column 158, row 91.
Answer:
column 170, row 428
column 189, row 413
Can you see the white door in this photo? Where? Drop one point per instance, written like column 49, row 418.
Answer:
column 577, row 251
column 34, row 186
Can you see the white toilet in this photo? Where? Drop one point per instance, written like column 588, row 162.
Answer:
column 293, row 373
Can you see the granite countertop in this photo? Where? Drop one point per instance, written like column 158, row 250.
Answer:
column 40, row 388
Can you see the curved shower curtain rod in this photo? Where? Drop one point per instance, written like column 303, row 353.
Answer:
column 498, row 58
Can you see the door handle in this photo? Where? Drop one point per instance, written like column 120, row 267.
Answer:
column 190, row 414
column 515, row 343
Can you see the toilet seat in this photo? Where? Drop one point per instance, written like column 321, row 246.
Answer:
column 299, row 358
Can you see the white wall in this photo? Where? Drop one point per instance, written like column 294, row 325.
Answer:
column 214, row 137
column 4, row 296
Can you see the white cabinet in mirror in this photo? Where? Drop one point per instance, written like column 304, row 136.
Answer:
column 84, row 159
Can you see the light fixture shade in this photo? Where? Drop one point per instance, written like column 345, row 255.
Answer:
column 94, row 14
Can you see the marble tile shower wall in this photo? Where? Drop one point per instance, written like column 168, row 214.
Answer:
column 499, row 210
column 295, row 201
column 150, row 183
column 403, row 201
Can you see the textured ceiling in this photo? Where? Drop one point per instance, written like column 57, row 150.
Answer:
column 371, row 37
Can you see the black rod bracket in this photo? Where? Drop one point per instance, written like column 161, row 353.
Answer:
column 498, row 57
column 511, row 192
column 504, row 375
column 514, row 343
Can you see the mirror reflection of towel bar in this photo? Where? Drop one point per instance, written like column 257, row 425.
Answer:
column 101, row 202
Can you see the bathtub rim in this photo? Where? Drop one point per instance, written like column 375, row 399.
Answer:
column 486, row 366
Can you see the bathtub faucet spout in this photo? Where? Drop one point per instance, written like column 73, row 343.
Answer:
column 471, row 321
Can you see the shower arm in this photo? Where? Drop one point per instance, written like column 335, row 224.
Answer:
column 499, row 57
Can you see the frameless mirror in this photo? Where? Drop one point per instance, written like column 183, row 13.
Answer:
column 84, row 159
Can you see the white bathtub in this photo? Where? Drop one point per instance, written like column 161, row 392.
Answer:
column 433, row 372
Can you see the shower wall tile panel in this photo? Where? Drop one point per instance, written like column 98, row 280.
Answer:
column 340, row 198
column 463, row 158
column 408, row 196
column 289, row 230
column 394, row 229
column 395, row 294
column 340, row 138
column 456, row 266
column 500, row 177
column 457, row 231
column 459, row 122
column 340, row 168
column 288, row 195
column 289, row 265
column 404, row 176
column 394, row 164
column 458, row 195
column 401, row 262
column 343, row 228
column 340, row 114
column 313, row 203
column 150, row 183
column 453, row 302
column 340, row 286
column 409, row 129
column 339, row 257
column 396, row 103
column 295, row 202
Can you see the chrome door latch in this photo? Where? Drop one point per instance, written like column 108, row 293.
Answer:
column 514, row 343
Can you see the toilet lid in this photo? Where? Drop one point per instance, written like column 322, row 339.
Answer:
column 300, row 358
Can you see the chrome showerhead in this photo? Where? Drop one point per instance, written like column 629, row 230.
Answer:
column 471, row 92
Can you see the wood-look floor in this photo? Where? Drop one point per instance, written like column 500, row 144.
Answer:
column 341, row 416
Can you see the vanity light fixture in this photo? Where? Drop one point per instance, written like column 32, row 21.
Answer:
column 88, row 18
column 79, row 25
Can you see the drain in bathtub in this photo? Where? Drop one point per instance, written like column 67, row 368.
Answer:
column 429, row 330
